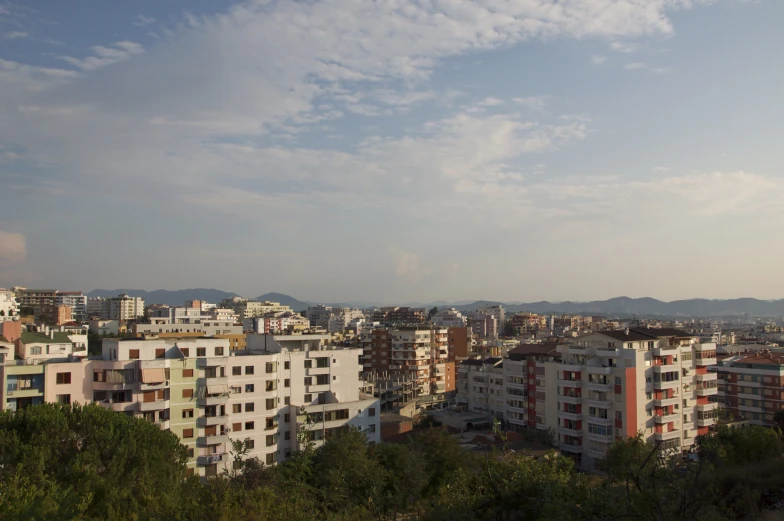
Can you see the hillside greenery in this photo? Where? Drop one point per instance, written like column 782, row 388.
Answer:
column 89, row 463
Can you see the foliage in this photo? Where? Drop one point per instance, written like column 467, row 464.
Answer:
column 72, row 462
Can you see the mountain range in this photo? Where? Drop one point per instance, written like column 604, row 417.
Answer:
column 619, row 306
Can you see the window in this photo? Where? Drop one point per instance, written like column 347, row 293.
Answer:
column 248, row 369
column 250, row 444
column 617, row 380
column 249, row 388
column 187, row 393
column 308, row 364
column 249, row 407
column 235, row 390
column 308, row 398
column 187, row 433
column 287, row 400
column 249, row 426
column 322, row 361
column 287, row 435
column 322, row 379
column 619, row 415
column 236, row 427
column 35, row 350
column 271, row 385
column 64, row 399
column 160, row 353
column 133, row 354
column 308, row 380
column 201, row 351
column 287, row 418
column 187, row 413
column 287, row 365
column 271, row 403
column 286, row 383
column 219, row 351
column 372, row 427
column 372, row 411
column 270, row 458
column 236, row 371
column 63, row 378
column 187, row 373
column 190, row 453
column 269, row 367
column 270, row 440
column 236, row 408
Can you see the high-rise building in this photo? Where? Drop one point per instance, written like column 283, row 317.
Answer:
column 277, row 394
column 751, row 385
column 9, row 307
column 121, row 307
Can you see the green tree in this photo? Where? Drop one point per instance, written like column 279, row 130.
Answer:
column 432, row 312
column 404, row 478
column 63, row 462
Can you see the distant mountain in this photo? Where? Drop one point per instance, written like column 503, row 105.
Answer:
column 647, row 306
column 168, row 297
column 286, row 300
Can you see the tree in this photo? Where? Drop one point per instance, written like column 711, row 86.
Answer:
column 432, row 312
column 63, row 462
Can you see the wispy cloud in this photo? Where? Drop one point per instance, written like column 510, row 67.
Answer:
column 141, row 20
column 598, row 59
column 103, row 56
column 15, row 35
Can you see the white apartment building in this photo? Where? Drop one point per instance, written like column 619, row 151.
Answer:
column 121, row 307
column 9, row 307
column 270, row 395
column 251, row 308
column 341, row 318
column 603, row 386
column 448, row 317
column 76, row 300
column 418, row 352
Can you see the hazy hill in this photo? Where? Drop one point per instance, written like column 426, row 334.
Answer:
column 165, row 296
column 286, row 300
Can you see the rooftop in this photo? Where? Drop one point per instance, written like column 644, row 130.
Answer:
column 524, row 350
column 663, row 332
column 33, row 338
column 627, row 335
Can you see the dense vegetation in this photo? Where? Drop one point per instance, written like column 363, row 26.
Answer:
column 72, row 462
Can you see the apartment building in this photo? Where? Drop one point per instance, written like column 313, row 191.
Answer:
column 9, row 307
column 448, row 317
column 77, row 301
column 251, row 308
column 527, row 323
column 602, row 386
column 459, row 342
column 513, row 389
column 121, row 307
column 484, row 325
column 751, row 385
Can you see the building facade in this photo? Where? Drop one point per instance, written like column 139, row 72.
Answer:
column 751, row 386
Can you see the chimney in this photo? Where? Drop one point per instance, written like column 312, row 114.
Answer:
column 627, row 330
column 51, row 334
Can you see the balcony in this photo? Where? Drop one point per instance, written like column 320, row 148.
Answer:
column 208, row 421
column 664, row 402
column 708, row 391
column 211, row 362
column 569, row 447
column 602, row 438
column 705, row 361
column 705, row 422
column 666, row 418
column 159, row 405
column 570, row 367
column 569, row 415
column 206, row 401
column 564, row 398
column 216, row 380
column 217, row 439
column 602, row 404
column 600, row 370
column 118, row 406
column 704, row 407
column 665, row 350
column 600, row 421
column 713, row 377
column 664, row 436
column 570, row 383
column 29, row 392
column 600, row 387
column 569, row 432
column 671, row 384
column 210, row 459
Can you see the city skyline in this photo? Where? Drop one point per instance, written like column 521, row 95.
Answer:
column 345, row 151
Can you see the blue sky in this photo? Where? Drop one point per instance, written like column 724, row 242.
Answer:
column 394, row 150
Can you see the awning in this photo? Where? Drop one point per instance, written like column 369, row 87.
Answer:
column 217, row 389
column 153, row 376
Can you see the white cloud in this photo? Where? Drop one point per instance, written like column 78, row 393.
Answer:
column 141, row 20
column 636, row 66
column 661, row 168
column 407, row 264
column 624, row 47
column 598, row 59
column 103, row 56
column 15, row 35
column 533, row 103
column 13, row 248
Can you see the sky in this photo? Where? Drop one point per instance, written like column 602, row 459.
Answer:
column 394, row 150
